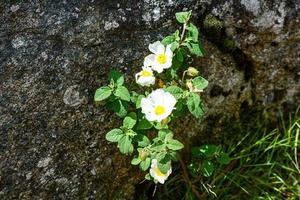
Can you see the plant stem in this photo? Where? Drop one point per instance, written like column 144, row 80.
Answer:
column 183, row 32
column 188, row 181
column 183, row 75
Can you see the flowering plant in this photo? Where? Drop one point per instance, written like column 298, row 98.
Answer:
column 153, row 111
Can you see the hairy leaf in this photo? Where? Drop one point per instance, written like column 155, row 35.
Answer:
column 114, row 135
column 174, row 144
column 175, row 91
column 183, row 17
column 123, row 93
column 102, row 93
column 130, row 120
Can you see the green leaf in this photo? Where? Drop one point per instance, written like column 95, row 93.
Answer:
column 176, row 64
column 224, row 158
column 148, row 177
column 183, row 17
column 179, row 55
column 195, row 49
column 162, row 133
column 144, row 124
column 176, row 35
column 194, row 105
column 168, row 40
column 169, row 134
column 130, row 133
column 175, row 91
column 193, row 169
column 130, row 120
column 207, row 168
column 160, row 125
column 159, row 146
column 123, row 93
column 118, row 106
column 164, row 166
column 134, row 97
column 125, row 145
column 114, row 135
column 173, row 156
column 135, row 161
column 180, row 108
column 193, row 32
column 174, row 144
column 160, row 157
column 205, row 150
column 174, row 46
column 173, row 73
column 116, row 76
column 145, row 164
column 102, row 93
column 142, row 140
column 138, row 101
column 200, row 83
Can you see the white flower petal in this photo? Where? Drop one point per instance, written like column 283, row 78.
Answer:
column 157, row 48
column 168, row 97
column 169, row 52
column 149, row 60
column 158, row 98
column 151, row 116
column 147, row 105
column 154, row 163
column 161, row 178
column 168, row 64
column 143, row 80
column 158, row 68
column 146, row 81
column 137, row 75
column 159, row 118
column 152, row 173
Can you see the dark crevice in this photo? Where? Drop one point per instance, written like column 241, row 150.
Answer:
column 218, row 90
column 217, row 36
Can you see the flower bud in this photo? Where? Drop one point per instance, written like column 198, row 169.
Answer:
column 189, row 85
column 191, row 71
column 165, row 121
column 143, row 154
column 160, row 83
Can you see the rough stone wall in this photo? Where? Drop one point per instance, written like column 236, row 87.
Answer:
column 54, row 54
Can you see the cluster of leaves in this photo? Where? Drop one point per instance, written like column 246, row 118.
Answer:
column 116, row 94
column 136, row 133
column 204, row 159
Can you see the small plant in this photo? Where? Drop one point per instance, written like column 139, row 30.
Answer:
column 171, row 88
column 204, row 159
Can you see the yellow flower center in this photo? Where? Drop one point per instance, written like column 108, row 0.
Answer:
column 161, row 58
column 146, row 73
column 159, row 110
column 158, row 172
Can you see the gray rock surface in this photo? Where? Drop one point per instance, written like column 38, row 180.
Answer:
column 55, row 54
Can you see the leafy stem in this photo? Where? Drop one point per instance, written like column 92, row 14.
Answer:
column 183, row 32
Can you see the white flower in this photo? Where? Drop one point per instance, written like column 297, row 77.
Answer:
column 158, row 105
column 157, row 174
column 145, row 77
column 161, row 58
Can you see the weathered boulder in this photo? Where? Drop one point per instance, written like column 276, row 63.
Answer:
column 55, row 54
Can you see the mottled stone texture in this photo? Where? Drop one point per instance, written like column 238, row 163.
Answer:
column 55, row 53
